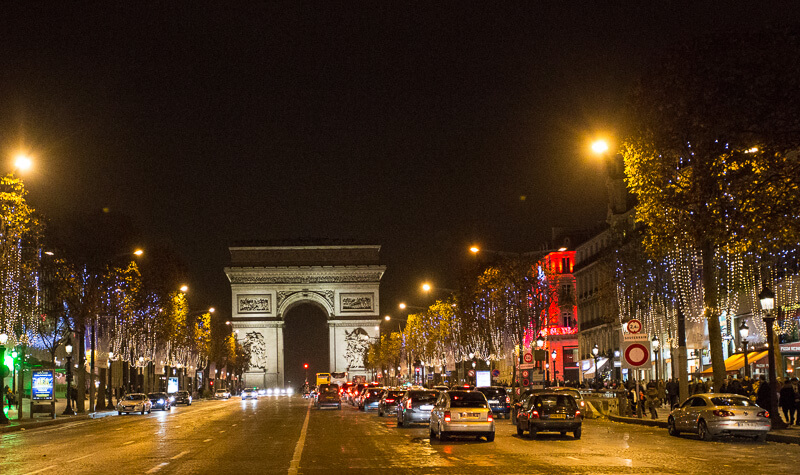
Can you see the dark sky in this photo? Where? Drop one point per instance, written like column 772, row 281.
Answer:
column 415, row 127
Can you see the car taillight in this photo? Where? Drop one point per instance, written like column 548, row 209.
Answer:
column 722, row 413
column 535, row 415
column 408, row 404
column 390, row 400
column 577, row 414
column 490, row 417
column 763, row 414
column 447, row 416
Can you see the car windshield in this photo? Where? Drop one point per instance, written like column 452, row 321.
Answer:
column 467, row 399
column 395, row 394
column 156, row 395
column 731, row 401
column 135, row 397
column 551, row 400
column 493, row 393
column 375, row 392
column 330, row 390
column 572, row 392
column 423, row 396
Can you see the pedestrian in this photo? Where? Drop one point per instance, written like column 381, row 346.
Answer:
column 652, row 399
column 763, row 399
column 662, row 392
column 735, row 387
column 699, row 386
column 673, row 391
column 9, row 394
column 795, row 385
column 786, row 401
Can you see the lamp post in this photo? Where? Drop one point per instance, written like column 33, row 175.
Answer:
column 554, row 354
column 767, row 299
column 744, row 332
column 655, row 344
column 110, row 404
column 595, row 352
column 68, row 410
column 3, row 341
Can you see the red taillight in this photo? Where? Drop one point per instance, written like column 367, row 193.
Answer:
column 763, row 414
column 535, row 415
column 447, row 416
column 408, row 404
column 466, row 386
column 390, row 400
column 722, row 413
column 490, row 417
column 577, row 414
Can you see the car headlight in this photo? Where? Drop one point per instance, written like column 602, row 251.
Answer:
column 172, row 399
column 290, row 391
column 269, row 392
column 161, row 401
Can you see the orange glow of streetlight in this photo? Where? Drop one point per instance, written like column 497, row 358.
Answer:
column 184, row 288
column 387, row 317
column 22, row 162
column 402, row 306
column 212, row 310
column 600, row 146
column 426, row 287
column 474, row 249
column 138, row 252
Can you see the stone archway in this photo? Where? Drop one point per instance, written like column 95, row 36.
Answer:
column 268, row 281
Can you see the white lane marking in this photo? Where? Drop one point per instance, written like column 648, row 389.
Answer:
column 79, row 458
column 41, row 470
column 698, row 458
column 128, row 442
column 573, row 458
column 301, row 442
column 222, row 432
column 179, row 455
column 207, row 440
column 119, row 428
column 234, row 425
column 157, row 467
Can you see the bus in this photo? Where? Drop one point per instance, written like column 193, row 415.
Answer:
column 339, row 378
column 323, row 378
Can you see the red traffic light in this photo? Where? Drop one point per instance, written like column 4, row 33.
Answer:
column 305, row 365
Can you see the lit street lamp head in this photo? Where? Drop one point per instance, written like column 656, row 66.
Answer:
column 184, row 288
column 402, row 306
column 474, row 249
column 387, row 317
column 599, row 146
column 426, row 287
column 22, row 162
column 138, row 252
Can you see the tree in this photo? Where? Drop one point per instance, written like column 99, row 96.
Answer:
column 712, row 155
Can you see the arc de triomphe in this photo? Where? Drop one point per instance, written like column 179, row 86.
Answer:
column 267, row 281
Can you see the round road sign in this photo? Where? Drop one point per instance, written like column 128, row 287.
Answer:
column 525, row 374
column 525, row 382
column 636, row 354
column 634, row 326
column 471, row 373
column 528, row 357
column 496, row 373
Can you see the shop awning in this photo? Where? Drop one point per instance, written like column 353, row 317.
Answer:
column 736, row 362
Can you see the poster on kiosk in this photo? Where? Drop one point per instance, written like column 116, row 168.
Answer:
column 172, row 385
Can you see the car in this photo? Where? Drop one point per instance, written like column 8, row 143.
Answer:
column 499, row 401
column 549, row 412
column 440, row 387
column 329, row 397
column 249, row 393
column 135, row 402
column 262, row 392
column 356, row 393
column 181, row 397
column 586, row 409
column 712, row 415
column 389, row 400
column 416, row 406
column 370, row 399
column 160, row 401
column 461, row 412
column 221, row 394
column 517, row 405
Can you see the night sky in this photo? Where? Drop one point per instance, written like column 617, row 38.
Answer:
column 423, row 130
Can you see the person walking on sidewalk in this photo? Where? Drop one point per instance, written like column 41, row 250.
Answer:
column 673, row 390
column 762, row 394
column 786, row 401
column 651, row 396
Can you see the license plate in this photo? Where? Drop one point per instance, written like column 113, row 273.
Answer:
column 493, row 401
column 558, row 416
column 470, row 414
column 747, row 424
column 426, row 408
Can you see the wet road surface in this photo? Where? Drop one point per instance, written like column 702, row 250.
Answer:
column 282, row 435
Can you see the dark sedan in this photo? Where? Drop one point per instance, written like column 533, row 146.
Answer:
column 415, row 407
column 499, row 401
column 329, row 397
column 182, row 397
column 160, row 401
column 370, row 399
column 549, row 412
column 389, row 401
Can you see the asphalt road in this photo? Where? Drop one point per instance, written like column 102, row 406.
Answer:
column 282, row 435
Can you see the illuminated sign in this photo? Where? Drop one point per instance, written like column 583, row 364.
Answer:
column 172, row 385
column 42, row 385
column 559, row 331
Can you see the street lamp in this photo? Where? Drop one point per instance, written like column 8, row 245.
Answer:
column 22, row 162
column 655, row 343
column 68, row 410
column 110, row 382
column 184, row 288
column 600, row 147
column 744, row 332
column 767, row 299
column 595, row 352
column 553, row 355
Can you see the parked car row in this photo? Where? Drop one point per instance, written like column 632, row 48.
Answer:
column 145, row 403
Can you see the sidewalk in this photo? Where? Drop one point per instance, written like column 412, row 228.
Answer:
column 791, row 435
column 42, row 420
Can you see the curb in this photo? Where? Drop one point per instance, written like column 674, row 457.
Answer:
column 37, row 424
column 771, row 437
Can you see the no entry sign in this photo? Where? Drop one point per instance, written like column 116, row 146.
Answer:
column 636, row 355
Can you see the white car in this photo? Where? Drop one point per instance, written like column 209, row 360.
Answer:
column 136, row 402
column 222, row 394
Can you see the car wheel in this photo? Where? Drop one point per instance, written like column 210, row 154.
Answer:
column 563, row 432
column 432, row 434
column 143, row 411
column 702, row 431
column 490, row 437
column 531, row 432
column 119, row 413
column 442, row 434
column 577, row 433
column 340, row 406
column 380, row 413
column 673, row 431
column 403, row 422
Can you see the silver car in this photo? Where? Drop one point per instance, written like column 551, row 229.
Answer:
column 461, row 413
column 717, row 414
column 136, row 402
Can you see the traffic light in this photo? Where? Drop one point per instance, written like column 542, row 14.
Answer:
column 305, row 365
column 211, row 383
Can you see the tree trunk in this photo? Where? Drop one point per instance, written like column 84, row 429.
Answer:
column 80, row 402
column 711, row 315
column 101, row 390
column 91, row 370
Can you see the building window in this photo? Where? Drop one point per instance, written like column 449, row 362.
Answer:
column 565, row 267
column 567, row 319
